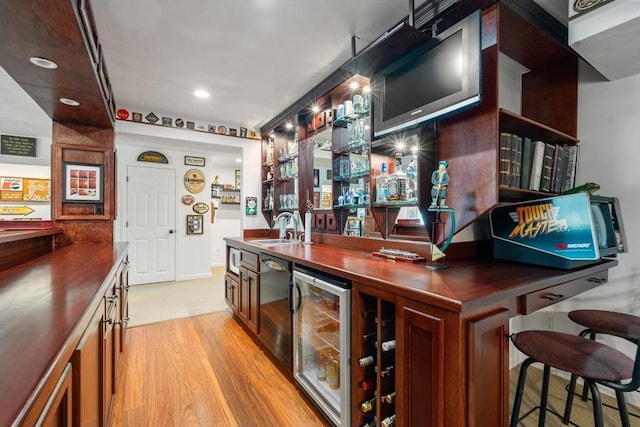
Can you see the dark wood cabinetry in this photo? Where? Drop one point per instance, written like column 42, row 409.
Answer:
column 249, row 299
column 59, row 407
column 232, row 292
column 70, row 379
column 87, row 368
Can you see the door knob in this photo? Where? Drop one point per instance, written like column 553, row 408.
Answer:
column 170, row 231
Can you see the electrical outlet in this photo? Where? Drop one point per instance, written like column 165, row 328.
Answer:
column 549, row 321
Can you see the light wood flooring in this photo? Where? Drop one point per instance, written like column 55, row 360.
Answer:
column 203, row 371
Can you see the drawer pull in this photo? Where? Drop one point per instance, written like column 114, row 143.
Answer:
column 553, row 297
column 596, row 280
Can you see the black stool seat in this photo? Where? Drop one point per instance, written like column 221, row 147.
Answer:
column 609, row 322
column 576, row 355
column 595, row 362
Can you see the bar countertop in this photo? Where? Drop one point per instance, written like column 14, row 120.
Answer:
column 45, row 306
column 466, row 285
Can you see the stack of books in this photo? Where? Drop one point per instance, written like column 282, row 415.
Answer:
column 536, row 165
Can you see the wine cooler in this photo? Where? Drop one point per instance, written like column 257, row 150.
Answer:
column 321, row 323
column 375, row 362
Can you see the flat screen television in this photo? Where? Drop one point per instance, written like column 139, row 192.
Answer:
column 564, row 231
column 436, row 79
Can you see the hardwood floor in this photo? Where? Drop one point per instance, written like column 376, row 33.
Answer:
column 203, row 371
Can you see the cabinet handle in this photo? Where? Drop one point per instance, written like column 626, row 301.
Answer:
column 553, row 297
column 109, row 321
column 596, row 280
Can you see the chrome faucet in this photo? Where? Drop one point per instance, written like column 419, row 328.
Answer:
column 281, row 221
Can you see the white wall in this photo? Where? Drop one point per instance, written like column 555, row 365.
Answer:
column 227, row 221
column 197, row 255
column 609, row 134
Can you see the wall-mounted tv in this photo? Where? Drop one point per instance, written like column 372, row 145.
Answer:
column 433, row 80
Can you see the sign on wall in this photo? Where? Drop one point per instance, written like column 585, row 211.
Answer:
column 18, row 145
column 18, row 189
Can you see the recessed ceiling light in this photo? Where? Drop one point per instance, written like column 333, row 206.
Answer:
column 43, row 63
column 354, row 85
column 69, row 101
column 315, row 108
column 201, row 93
column 288, row 125
column 238, row 160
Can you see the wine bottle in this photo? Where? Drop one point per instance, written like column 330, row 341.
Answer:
column 367, row 405
column 368, row 384
column 365, row 361
column 367, row 337
column 388, row 345
column 389, row 421
column 386, row 372
column 389, row 397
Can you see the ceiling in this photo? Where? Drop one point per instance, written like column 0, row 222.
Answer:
column 255, row 57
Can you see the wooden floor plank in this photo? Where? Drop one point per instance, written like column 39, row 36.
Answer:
column 204, row 371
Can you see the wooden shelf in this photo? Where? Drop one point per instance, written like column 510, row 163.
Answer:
column 514, row 123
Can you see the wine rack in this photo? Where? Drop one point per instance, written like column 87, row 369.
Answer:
column 374, row 397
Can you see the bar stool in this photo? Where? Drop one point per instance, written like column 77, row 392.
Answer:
column 622, row 325
column 594, row 362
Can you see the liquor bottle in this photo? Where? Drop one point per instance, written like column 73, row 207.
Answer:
column 386, row 372
column 389, row 421
column 333, row 370
column 365, row 361
column 368, row 384
column 397, row 183
column 382, row 185
column 388, row 345
column 389, row 397
column 367, row 405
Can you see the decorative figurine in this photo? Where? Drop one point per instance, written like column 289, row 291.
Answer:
column 440, row 182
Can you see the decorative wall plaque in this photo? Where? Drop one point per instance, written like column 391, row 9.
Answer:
column 194, row 181
column 153, row 157
column 201, row 208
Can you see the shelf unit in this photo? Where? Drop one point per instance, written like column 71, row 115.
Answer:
column 226, row 196
column 373, row 385
column 468, row 140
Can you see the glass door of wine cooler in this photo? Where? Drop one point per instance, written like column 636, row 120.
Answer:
column 321, row 342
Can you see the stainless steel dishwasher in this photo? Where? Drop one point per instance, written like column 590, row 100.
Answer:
column 275, row 308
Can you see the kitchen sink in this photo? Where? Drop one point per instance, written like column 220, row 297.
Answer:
column 274, row 242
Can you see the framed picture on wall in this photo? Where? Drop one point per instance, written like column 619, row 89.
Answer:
column 194, row 224
column 237, row 179
column 82, row 182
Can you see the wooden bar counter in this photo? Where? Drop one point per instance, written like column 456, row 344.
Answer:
column 46, row 307
column 451, row 325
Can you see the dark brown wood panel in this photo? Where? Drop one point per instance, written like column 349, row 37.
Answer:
column 422, row 366
column 21, row 246
column 488, row 384
column 51, row 30
column 83, row 222
column 557, row 82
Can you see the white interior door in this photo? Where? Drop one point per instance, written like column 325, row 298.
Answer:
column 151, row 224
